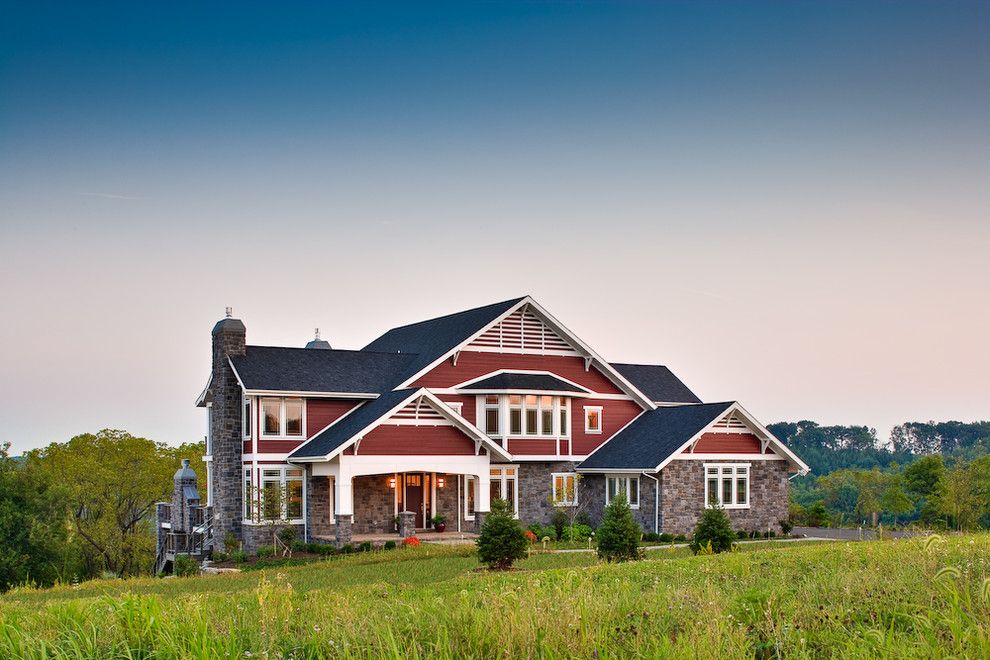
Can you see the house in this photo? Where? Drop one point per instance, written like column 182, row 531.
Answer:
column 442, row 416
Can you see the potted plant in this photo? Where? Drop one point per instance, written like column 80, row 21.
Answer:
column 439, row 522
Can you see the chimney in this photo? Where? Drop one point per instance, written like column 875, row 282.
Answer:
column 229, row 340
column 316, row 342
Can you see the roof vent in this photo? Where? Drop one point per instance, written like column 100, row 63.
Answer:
column 317, row 342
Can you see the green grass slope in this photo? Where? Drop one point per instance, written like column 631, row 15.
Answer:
column 913, row 598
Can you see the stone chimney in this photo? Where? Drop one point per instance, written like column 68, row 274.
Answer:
column 184, row 496
column 229, row 339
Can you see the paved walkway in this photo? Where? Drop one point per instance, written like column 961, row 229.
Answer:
column 684, row 545
column 843, row 534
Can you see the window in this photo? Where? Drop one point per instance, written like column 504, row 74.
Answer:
column 281, row 493
column 529, row 415
column 592, row 419
column 491, row 415
column 246, row 418
column 565, row 489
column 456, row 406
column 470, row 483
column 503, row 486
column 283, row 418
column 727, row 485
column 626, row 485
column 248, row 495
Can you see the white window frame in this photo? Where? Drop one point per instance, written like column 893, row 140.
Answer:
column 629, row 479
column 281, row 435
column 501, row 479
column 470, row 482
column 504, row 407
column 553, row 485
column 282, row 480
column 728, row 472
column 247, row 485
column 456, row 406
column 601, row 420
column 247, row 409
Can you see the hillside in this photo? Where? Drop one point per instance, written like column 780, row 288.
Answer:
column 897, row 598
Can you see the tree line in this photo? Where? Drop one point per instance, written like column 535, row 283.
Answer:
column 936, row 474
column 84, row 508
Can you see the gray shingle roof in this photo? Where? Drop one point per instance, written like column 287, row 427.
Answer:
column 523, row 381
column 657, row 382
column 431, row 339
column 653, row 436
column 308, row 370
column 344, row 429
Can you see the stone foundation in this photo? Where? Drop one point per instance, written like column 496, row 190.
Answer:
column 682, row 498
column 407, row 524
column 254, row 536
column 374, row 505
column 342, row 530
column 318, row 505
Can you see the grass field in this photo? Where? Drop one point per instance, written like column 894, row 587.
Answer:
column 917, row 598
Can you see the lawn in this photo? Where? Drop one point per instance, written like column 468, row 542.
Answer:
column 914, row 598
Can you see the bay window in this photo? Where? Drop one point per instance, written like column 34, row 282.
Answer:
column 564, row 488
column 727, row 485
column 627, row 485
column 282, row 418
column 528, row 415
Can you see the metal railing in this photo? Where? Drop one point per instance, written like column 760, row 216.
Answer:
column 194, row 542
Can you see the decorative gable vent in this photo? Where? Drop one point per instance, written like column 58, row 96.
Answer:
column 731, row 423
column 418, row 413
column 521, row 332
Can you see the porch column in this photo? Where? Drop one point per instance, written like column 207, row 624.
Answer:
column 343, row 500
column 484, row 497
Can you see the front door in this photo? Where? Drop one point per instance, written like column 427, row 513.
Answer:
column 414, row 496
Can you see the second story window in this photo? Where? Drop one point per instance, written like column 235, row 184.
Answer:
column 491, row 415
column 282, row 418
column 246, row 418
column 528, row 415
column 592, row 419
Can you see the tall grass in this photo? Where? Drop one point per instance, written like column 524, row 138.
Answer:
column 890, row 599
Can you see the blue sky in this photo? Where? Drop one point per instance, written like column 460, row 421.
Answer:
column 785, row 202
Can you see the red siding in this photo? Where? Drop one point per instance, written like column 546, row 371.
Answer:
column 405, row 440
column 468, row 405
column 471, row 364
column 531, row 446
column 320, row 412
column 728, row 443
column 277, row 446
column 615, row 415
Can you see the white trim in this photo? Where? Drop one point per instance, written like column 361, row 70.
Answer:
column 521, row 351
column 466, row 385
column 466, row 478
column 729, row 457
column 611, row 470
column 628, row 476
column 282, row 419
column 236, row 375
column 310, row 439
column 605, row 442
column 201, row 399
column 502, row 478
column 553, row 488
column 546, row 457
column 312, row 395
column 601, row 420
column 557, row 327
column 733, row 478
column 574, row 395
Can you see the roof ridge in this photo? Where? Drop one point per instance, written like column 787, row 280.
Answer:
column 452, row 314
column 329, row 351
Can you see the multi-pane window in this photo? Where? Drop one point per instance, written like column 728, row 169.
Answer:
column 625, row 485
column 727, row 485
column 246, row 418
column 565, row 489
column 281, row 493
column 470, row 484
column 531, row 414
column 592, row 419
column 248, row 495
column 282, row 417
column 503, row 486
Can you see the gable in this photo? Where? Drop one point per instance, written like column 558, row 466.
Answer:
column 418, row 413
column 522, row 332
column 472, row 364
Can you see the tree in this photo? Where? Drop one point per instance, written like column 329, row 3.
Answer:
column 895, row 500
column 502, row 540
column 924, row 480
column 715, row 528
column 958, row 500
column 618, row 535
column 871, row 485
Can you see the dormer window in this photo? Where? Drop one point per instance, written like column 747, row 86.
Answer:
column 528, row 415
column 282, row 418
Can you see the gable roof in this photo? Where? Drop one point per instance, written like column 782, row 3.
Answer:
column 657, row 382
column 430, row 340
column 654, row 436
column 308, row 370
column 522, row 381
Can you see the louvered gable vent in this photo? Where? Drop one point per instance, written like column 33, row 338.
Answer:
column 731, row 423
column 418, row 413
column 522, row 332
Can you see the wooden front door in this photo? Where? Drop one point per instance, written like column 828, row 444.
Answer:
column 414, row 496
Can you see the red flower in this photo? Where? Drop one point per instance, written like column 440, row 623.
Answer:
column 411, row 541
column 530, row 536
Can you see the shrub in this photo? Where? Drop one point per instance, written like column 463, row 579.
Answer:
column 239, row 556
column 583, row 519
column 713, row 528
column 786, row 526
column 666, row 538
column 579, row 533
column 542, row 531
column 220, row 556
column 347, row 549
column 679, row 538
column 230, row 542
column 287, row 535
column 185, row 566
column 411, row 541
column 559, row 522
column 265, row 551
column 742, row 535
column 651, row 537
column 501, row 541
column 618, row 535
column 530, row 536
column 365, row 547
column 299, row 546
column 389, row 545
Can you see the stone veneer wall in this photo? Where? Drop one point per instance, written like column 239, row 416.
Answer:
column 374, row 505
column 229, row 336
column 446, row 503
column 321, row 521
column 591, row 497
column 258, row 535
column 536, row 490
column 682, row 497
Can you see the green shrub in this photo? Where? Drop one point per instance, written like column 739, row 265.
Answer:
column 347, row 549
column 618, row 535
column 542, row 531
column 389, row 545
column 651, row 537
column 219, row 556
column 742, row 535
column 365, row 547
column 501, row 541
column 265, row 551
column 559, row 522
column 714, row 529
column 583, row 519
column 577, row 533
column 287, row 535
column 679, row 538
column 666, row 537
column 230, row 542
column 239, row 556
column 786, row 526
column 299, row 546
column 185, row 566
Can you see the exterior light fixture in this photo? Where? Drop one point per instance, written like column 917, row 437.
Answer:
column 441, row 482
column 391, row 482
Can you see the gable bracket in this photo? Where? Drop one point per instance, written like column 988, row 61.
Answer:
column 587, row 363
column 454, row 357
column 764, row 443
column 357, row 444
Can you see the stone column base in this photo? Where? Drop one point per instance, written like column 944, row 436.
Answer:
column 479, row 520
column 343, row 527
column 407, row 524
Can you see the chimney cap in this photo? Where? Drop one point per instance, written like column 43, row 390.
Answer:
column 185, row 472
column 316, row 342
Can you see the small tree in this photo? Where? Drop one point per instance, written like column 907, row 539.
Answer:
column 713, row 528
column 618, row 535
column 501, row 541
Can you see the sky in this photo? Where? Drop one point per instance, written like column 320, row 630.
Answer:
column 786, row 203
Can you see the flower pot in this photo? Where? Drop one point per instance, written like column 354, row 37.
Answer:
column 440, row 527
